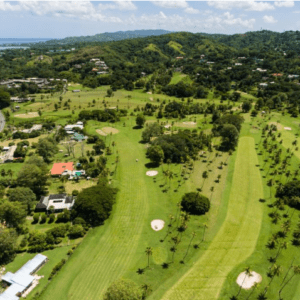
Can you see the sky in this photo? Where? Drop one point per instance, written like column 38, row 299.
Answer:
column 59, row 19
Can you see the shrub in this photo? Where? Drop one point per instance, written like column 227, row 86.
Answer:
column 43, row 219
column 36, row 218
column 75, row 193
column 195, row 203
column 58, row 231
column 51, row 218
column 123, row 289
column 57, row 268
column 76, row 231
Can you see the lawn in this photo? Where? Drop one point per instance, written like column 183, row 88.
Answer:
column 117, row 248
column 237, row 238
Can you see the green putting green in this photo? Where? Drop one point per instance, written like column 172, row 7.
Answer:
column 237, row 238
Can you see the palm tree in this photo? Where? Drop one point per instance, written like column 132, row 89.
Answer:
column 275, row 271
column 204, row 228
column 212, row 191
column 170, row 175
column 149, row 252
column 287, row 273
column 282, row 246
column 173, row 249
column 193, row 235
column 296, row 272
column 204, row 176
column 113, row 145
column 147, row 290
column 247, row 271
column 254, row 287
column 179, row 207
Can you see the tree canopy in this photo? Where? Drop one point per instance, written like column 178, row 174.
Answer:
column 123, row 289
column 195, row 203
column 94, row 204
column 22, row 194
column 8, row 245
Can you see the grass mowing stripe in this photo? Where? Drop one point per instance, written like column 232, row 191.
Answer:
column 113, row 252
column 236, row 239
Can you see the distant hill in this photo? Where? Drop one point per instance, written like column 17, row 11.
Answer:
column 110, row 36
column 264, row 40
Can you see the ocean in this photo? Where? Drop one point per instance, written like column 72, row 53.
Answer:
column 16, row 42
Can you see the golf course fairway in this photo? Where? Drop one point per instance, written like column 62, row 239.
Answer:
column 237, row 238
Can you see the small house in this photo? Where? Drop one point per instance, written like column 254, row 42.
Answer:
column 78, row 137
column 57, row 202
column 59, row 168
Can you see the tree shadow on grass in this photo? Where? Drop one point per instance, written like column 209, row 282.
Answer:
column 151, row 165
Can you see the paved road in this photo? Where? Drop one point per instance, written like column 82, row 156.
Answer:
column 2, row 121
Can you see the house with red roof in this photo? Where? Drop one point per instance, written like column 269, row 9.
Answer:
column 59, row 168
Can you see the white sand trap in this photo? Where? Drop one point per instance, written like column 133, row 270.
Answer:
column 110, row 130
column 287, row 128
column 29, row 115
column 167, row 126
column 157, row 225
column 151, row 173
column 249, row 281
column 99, row 131
column 189, row 123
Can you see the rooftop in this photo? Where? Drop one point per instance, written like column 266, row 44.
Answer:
column 58, row 168
column 22, row 279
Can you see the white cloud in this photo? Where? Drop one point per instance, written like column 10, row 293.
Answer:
column 269, row 19
column 246, row 5
column 80, row 9
column 284, row 3
column 171, row 4
column 176, row 22
column 191, row 10
column 177, row 4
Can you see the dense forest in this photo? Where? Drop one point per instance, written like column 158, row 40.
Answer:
column 255, row 62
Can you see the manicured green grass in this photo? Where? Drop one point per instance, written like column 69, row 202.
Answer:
column 117, row 248
column 236, row 239
column 259, row 260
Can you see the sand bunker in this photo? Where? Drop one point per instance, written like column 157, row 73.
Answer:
column 248, row 281
column 151, row 173
column 167, row 126
column 287, row 128
column 151, row 99
column 29, row 115
column 99, row 131
column 157, row 225
column 109, row 130
column 189, row 123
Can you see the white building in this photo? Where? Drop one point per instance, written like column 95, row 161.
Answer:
column 58, row 201
column 20, row 281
